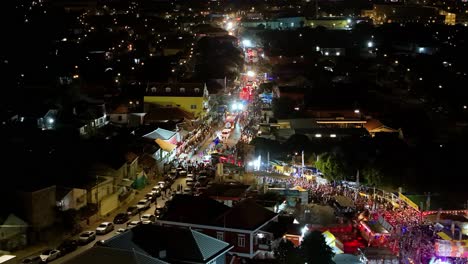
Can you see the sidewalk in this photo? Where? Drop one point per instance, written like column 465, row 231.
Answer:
column 36, row 249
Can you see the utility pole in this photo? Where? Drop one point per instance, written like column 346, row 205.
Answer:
column 97, row 195
column 268, row 161
column 302, row 168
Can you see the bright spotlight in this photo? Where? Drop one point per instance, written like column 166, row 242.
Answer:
column 348, row 20
column 370, row 44
column 251, row 73
column 50, row 120
column 356, row 111
column 247, row 43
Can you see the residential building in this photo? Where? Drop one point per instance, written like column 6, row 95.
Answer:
column 165, row 141
column 37, row 206
column 71, row 198
column 190, row 246
column 228, row 194
column 374, row 126
column 191, row 97
column 240, row 225
column 126, row 116
column 13, row 234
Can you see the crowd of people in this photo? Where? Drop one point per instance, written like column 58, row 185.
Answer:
column 412, row 238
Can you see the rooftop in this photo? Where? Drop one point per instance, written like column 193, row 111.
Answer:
column 190, row 245
column 246, row 214
column 160, row 134
column 100, row 254
column 176, row 89
column 226, row 190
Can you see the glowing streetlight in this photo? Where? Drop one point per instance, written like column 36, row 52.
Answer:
column 251, row 73
column 247, row 43
column 356, row 111
column 370, row 44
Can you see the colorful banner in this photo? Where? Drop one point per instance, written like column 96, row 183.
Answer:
column 446, row 248
column 408, row 201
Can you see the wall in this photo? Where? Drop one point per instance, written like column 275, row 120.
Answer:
column 114, row 118
column 75, row 199
column 105, row 188
column 231, row 238
column 38, row 207
column 109, row 204
column 182, row 102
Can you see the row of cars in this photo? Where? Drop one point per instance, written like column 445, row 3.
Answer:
column 104, row 228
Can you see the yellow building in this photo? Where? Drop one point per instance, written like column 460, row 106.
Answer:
column 191, row 97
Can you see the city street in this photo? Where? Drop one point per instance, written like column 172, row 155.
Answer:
column 159, row 202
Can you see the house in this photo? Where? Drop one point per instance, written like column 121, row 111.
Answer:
column 99, row 254
column 228, row 194
column 36, row 205
column 374, row 126
column 92, row 116
column 71, row 198
column 124, row 115
column 166, row 142
column 191, row 97
column 240, row 225
column 48, row 121
column 190, row 246
column 13, row 234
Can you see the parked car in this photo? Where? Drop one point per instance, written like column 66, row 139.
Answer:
column 86, row 237
column 121, row 230
column 32, row 260
column 159, row 211
column 67, row 246
column 121, row 218
column 132, row 224
column 49, row 255
column 151, row 197
column 190, row 175
column 187, row 190
column 162, row 185
column 104, row 228
column 132, row 210
column 156, row 191
column 189, row 182
column 143, row 204
column 148, row 218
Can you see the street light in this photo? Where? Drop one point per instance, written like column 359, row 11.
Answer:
column 251, row 73
column 370, row 44
column 247, row 43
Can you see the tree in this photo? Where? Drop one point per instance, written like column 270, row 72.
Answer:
column 331, row 166
column 287, row 253
column 372, row 176
column 314, row 249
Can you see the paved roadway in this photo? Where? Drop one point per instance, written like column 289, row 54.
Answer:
column 159, row 202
